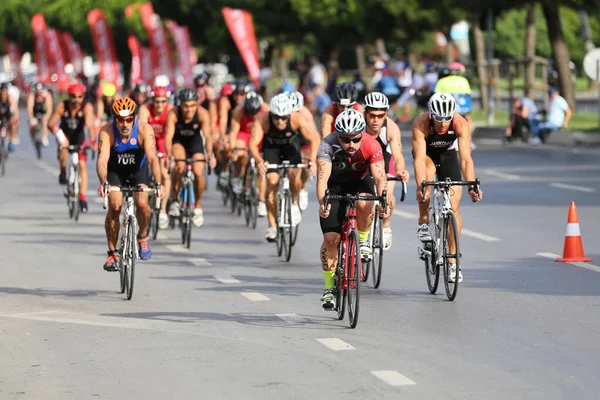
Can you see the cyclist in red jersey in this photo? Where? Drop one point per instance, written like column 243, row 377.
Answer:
column 346, row 95
column 348, row 161
column 155, row 113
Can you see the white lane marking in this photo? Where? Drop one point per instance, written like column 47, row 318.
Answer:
column 31, row 314
column 500, row 174
column 480, row 236
column 161, row 236
column 583, row 265
column 226, row 279
column 335, row 344
column 573, row 187
column 98, row 200
column 199, row 262
column 255, row 296
column 292, row 318
column 404, row 214
column 177, row 248
column 393, row 378
column 47, row 168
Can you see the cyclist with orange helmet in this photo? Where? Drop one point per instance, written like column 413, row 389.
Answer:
column 125, row 149
column 75, row 115
column 155, row 113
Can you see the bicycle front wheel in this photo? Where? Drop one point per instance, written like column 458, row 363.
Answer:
column 340, row 292
column 353, row 265
column 377, row 260
column 287, row 227
column 131, row 256
column 75, row 196
column 450, row 235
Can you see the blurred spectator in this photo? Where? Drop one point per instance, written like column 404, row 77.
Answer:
column 524, row 111
column 557, row 117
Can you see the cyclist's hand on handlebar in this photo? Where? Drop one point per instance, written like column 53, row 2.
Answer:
column 262, row 168
column 101, row 190
column 476, row 196
column 313, row 168
column 404, row 175
column 422, row 197
column 323, row 213
column 212, row 161
column 384, row 212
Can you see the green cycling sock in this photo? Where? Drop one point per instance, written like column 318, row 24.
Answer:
column 363, row 236
column 329, row 281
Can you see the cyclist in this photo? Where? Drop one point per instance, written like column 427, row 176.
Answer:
column 349, row 161
column 8, row 114
column 298, row 106
column 188, row 135
column 139, row 94
column 39, row 110
column 155, row 113
column 440, row 136
column 125, row 147
column 387, row 133
column 346, row 95
column 75, row 116
column 278, row 129
column 206, row 95
column 105, row 101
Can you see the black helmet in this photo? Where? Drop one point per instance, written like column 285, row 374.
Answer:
column 37, row 87
column 346, row 94
column 188, row 94
column 253, row 103
column 142, row 88
column 201, row 79
column 4, row 85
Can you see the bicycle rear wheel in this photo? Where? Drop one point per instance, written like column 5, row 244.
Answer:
column 279, row 211
column 288, row 229
column 122, row 265
column 377, row 259
column 37, row 141
column 75, row 195
column 131, row 256
column 450, row 233
column 353, row 260
column 432, row 270
column 153, row 228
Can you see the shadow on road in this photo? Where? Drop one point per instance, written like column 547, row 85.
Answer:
column 69, row 293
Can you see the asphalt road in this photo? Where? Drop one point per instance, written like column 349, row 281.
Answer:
column 228, row 319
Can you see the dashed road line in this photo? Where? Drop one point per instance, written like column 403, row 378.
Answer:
column 335, row 344
column 404, row 214
column 393, row 378
column 292, row 318
column 500, row 174
column 199, row 262
column 255, row 296
column 583, row 265
column 573, row 187
column 177, row 248
column 226, row 279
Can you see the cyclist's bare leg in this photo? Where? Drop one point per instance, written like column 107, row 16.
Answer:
column 198, row 170
column 295, row 182
column 44, row 122
column 261, row 182
column 83, row 177
column 112, row 222
column 242, row 158
column 363, row 213
column 272, row 183
column 63, row 155
column 142, row 211
column 455, row 196
column 305, row 171
column 430, row 176
column 166, row 182
column 329, row 251
column 391, row 200
column 177, row 172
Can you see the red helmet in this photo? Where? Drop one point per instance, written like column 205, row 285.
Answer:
column 77, row 88
column 227, row 89
column 160, row 91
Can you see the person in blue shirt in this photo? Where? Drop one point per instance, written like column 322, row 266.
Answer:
column 524, row 113
column 557, row 117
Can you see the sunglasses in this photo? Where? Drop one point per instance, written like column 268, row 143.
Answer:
column 376, row 116
column 125, row 120
column 348, row 140
column 440, row 119
column 279, row 117
column 159, row 101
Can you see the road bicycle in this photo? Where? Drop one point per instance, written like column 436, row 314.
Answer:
column 128, row 249
column 74, row 180
column 187, row 201
column 251, row 193
column 349, row 271
column 443, row 229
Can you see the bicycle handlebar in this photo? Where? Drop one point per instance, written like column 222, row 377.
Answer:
column 129, row 189
column 351, row 198
column 404, row 186
column 73, row 148
column 447, row 183
column 187, row 160
column 287, row 165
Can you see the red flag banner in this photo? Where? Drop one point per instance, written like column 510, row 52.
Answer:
column 241, row 27
column 57, row 59
column 136, row 63
column 13, row 50
column 161, row 48
column 147, row 64
column 74, row 52
column 104, row 46
column 38, row 24
column 182, row 41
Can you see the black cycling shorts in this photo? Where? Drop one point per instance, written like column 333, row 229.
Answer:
column 142, row 177
column 192, row 145
column 446, row 165
column 335, row 221
column 287, row 152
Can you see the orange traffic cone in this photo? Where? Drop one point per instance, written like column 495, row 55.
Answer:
column 573, row 251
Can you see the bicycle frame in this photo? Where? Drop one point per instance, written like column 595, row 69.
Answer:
column 284, row 185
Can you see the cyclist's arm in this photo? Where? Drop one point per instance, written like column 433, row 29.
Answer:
column 30, row 101
column 14, row 103
column 419, row 151
column 310, row 119
column 149, row 144
column 326, row 121
column 144, row 114
column 103, row 154
column 204, row 118
column 256, row 137
column 463, row 133
column 214, row 116
column 99, row 108
column 89, row 116
column 324, row 167
column 379, row 176
column 299, row 120
column 394, row 139
column 53, row 121
column 223, row 111
column 236, row 118
column 49, row 105
column 170, row 132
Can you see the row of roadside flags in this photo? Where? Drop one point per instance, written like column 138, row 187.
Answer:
column 54, row 49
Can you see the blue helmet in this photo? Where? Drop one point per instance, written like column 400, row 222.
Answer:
column 287, row 87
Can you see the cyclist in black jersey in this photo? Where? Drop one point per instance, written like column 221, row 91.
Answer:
column 188, row 135
column 126, row 147
column 7, row 111
column 39, row 109
column 440, row 136
column 276, row 130
column 206, row 99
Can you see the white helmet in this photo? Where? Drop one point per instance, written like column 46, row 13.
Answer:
column 297, row 100
column 349, row 123
column 377, row 100
column 161, row 80
column 442, row 105
column 281, row 105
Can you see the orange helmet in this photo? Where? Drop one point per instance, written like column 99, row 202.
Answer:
column 124, row 107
